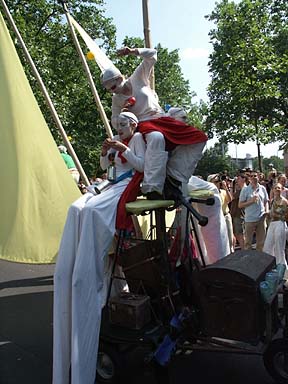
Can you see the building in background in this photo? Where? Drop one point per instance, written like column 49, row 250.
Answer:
column 247, row 162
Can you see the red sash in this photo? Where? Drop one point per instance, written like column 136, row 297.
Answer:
column 123, row 220
column 175, row 132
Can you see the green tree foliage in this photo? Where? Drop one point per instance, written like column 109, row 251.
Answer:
column 248, row 91
column 44, row 29
column 278, row 164
column 215, row 160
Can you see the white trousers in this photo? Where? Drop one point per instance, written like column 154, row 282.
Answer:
column 180, row 164
column 229, row 225
column 275, row 241
column 80, row 284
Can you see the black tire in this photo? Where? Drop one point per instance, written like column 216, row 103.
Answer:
column 109, row 364
column 275, row 359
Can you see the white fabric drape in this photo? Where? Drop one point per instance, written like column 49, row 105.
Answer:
column 275, row 242
column 101, row 59
column 214, row 234
column 82, row 273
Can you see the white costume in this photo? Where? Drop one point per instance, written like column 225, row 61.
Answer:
column 177, row 113
column 214, row 234
column 275, row 240
column 79, row 283
column 183, row 159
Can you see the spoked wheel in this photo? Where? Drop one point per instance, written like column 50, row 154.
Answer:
column 108, row 368
column 276, row 360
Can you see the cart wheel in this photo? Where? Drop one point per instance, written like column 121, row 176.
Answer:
column 275, row 359
column 109, row 364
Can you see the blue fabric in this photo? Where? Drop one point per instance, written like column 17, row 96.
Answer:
column 123, row 176
column 164, row 351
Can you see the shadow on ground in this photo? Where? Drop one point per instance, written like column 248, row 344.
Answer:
column 26, row 336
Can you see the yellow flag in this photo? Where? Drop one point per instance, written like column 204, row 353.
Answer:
column 36, row 187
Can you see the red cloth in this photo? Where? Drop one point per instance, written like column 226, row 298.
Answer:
column 176, row 247
column 175, row 132
column 123, row 219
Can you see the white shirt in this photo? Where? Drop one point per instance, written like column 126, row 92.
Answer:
column 146, row 106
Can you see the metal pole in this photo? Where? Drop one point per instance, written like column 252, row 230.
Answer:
column 147, row 36
column 46, row 95
column 88, row 73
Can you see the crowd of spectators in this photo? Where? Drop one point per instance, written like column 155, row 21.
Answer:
column 258, row 208
column 250, row 201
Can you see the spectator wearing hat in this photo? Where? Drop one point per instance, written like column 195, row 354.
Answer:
column 255, row 202
column 271, row 168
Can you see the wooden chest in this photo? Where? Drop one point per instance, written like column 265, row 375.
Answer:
column 129, row 310
column 231, row 306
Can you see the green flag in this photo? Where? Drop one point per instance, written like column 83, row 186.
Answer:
column 36, row 187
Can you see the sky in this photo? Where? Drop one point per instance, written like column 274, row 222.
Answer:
column 180, row 25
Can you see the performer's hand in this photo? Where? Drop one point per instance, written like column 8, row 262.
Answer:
column 127, row 51
column 105, row 146
column 118, row 145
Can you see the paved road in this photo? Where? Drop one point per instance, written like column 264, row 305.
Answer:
column 26, row 297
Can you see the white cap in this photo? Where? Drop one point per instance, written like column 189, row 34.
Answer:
column 177, row 112
column 110, row 74
column 130, row 116
column 62, row 149
column 210, row 178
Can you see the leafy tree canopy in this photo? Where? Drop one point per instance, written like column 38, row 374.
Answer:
column 43, row 27
column 249, row 63
column 215, row 160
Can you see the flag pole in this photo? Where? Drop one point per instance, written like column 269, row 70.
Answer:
column 88, row 73
column 46, row 95
column 147, row 35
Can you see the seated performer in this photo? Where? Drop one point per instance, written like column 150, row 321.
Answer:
column 163, row 134
column 79, row 283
